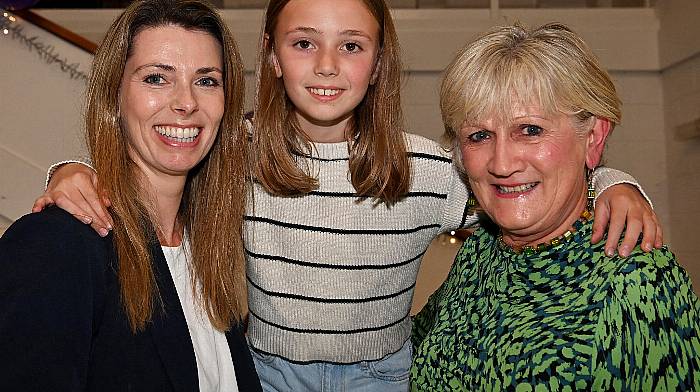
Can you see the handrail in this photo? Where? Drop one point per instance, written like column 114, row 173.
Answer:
column 58, row 30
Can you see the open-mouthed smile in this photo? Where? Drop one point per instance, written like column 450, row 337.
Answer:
column 514, row 190
column 178, row 134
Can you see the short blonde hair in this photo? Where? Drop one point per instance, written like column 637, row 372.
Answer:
column 550, row 66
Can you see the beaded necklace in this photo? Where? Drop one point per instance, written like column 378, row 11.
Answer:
column 586, row 215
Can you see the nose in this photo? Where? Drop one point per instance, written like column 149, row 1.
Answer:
column 326, row 64
column 506, row 158
column 184, row 100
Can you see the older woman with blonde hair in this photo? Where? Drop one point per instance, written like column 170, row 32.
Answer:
column 530, row 304
column 157, row 305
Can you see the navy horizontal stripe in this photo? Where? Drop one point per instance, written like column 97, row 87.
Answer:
column 338, row 231
column 355, row 195
column 333, row 266
column 330, row 331
column 429, row 156
column 315, row 158
column 410, row 155
column 330, row 300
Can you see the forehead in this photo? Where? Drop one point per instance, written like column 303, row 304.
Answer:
column 328, row 16
column 175, row 45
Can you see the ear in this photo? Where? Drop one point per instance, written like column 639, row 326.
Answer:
column 273, row 56
column 375, row 73
column 595, row 143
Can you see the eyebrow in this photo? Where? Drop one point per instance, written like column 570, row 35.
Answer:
column 170, row 68
column 312, row 30
column 164, row 67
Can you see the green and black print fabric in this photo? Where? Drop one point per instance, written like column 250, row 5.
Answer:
column 566, row 319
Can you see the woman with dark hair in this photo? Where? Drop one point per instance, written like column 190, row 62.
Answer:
column 158, row 304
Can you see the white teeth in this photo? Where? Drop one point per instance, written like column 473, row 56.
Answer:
column 514, row 189
column 325, row 92
column 182, row 135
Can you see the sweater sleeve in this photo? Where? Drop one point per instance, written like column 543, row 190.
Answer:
column 647, row 335
column 50, row 289
column 52, row 169
column 605, row 177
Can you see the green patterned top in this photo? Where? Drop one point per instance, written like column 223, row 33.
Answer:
column 568, row 318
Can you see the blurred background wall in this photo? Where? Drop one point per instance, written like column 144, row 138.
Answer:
column 651, row 48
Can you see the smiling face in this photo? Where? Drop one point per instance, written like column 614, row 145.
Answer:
column 171, row 99
column 326, row 53
column 528, row 172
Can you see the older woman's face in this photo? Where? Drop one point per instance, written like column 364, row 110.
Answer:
column 527, row 172
column 172, row 98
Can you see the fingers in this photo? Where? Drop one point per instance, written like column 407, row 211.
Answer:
column 75, row 192
column 42, row 202
column 600, row 222
column 615, row 228
column 72, row 208
column 659, row 241
column 91, row 202
column 649, row 234
column 634, row 229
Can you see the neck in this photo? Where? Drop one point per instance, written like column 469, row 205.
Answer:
column 165, row 194
column 324, row 131
column 518, row 241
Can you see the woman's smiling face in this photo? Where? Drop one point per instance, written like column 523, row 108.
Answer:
column 171, row 98
column 527, row 170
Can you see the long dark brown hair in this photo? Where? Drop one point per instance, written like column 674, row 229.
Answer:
column 212, row 206
column 379, row 166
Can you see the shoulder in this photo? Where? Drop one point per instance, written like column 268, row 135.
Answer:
column 50, row 233
column 658, row 267
column 422, row 147
column 654, row 285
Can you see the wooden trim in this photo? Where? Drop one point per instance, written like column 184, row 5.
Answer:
column 57, row 30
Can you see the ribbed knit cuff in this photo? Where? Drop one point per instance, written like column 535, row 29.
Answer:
column 55, row 166
column 605, row 177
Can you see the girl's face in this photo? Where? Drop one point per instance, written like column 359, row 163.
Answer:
column 326, row 51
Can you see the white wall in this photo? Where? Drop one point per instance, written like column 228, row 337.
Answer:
column 40, row 107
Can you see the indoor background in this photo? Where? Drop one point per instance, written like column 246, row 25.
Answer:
column 651, row 48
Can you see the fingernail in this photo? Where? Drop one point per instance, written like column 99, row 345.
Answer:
column 609, row 252
column 625, row 251
column 103, row 232
column 86, row 219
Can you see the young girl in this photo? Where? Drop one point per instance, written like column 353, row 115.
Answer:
column 344, row 204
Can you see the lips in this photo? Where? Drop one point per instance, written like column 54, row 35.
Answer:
column 326, row 92
column 514, row 190
column 178, row 134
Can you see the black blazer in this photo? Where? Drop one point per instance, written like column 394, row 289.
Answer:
column 62, row 326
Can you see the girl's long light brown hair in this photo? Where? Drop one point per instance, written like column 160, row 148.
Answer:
column 212, row 206
column 379, row 165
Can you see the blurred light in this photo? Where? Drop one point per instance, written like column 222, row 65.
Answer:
column 452, row 232
column 12, row 18
column 5, row 31
column 453, row 240
column 5, row 14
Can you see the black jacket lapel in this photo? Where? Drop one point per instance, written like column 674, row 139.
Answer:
column 169, row 329
column 246, row 377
